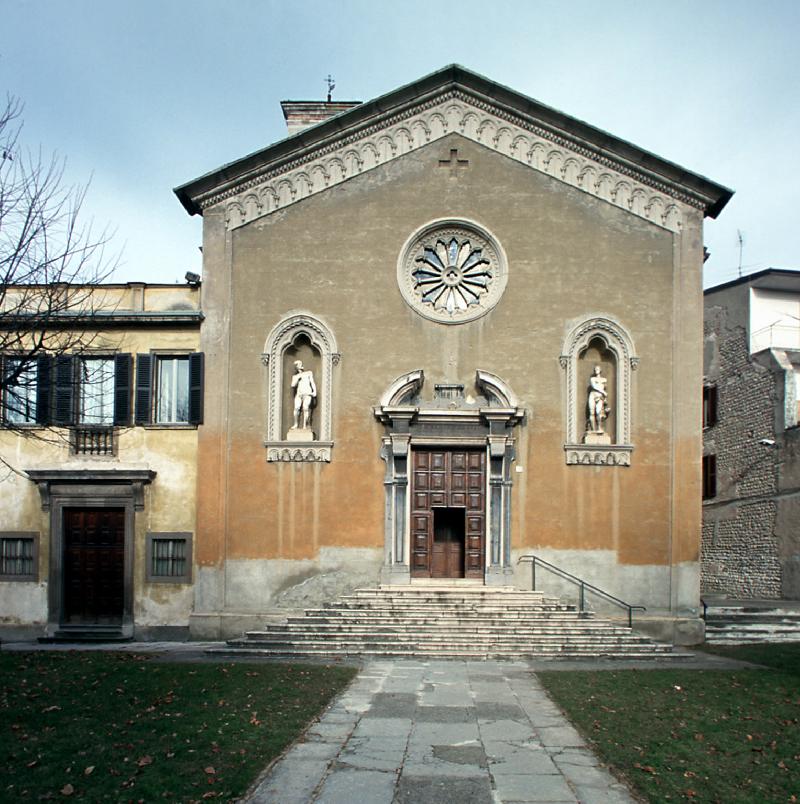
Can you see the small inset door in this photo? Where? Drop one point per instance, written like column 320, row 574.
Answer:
column 448, row 513
column 94, row 565
column 447, row 560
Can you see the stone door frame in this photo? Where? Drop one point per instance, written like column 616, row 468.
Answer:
column 409, row 424
column 104, row 488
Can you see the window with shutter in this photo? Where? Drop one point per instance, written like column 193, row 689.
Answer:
column 63, row 411
column 122, row 390
column 144, row 386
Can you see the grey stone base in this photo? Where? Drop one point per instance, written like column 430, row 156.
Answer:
column 396, row 574
column 161, row 633
column 22, row 633
column 230, row 624
column 499, row 576
column 683, row 631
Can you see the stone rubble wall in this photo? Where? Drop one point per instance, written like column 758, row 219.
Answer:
column 739, row 546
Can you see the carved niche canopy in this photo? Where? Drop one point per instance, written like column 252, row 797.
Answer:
column 617, row 340
column 451, row 271
column 285, row 333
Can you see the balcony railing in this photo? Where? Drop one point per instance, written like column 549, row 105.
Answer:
column 93, row 440
column 781, row 336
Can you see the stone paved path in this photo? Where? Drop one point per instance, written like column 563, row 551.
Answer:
column 432, row 732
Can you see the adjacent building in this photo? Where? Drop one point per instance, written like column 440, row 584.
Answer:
column 751, row 438
column 99, row 447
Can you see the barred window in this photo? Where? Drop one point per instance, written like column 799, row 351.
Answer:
column 19, row 556
column 169, row 557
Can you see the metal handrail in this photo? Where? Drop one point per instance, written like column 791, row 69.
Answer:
column 583, row 586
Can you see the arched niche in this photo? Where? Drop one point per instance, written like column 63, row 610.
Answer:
column 602, row 341
column 304, row 337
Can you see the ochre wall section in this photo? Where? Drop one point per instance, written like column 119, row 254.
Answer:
column 335, row 254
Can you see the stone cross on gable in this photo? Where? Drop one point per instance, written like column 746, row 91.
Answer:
column 454, row 163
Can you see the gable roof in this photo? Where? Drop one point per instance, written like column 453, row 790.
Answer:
column 509, row 109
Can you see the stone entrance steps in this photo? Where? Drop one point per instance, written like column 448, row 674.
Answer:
column 749, row 621
column 447, row 622
column 86, row 634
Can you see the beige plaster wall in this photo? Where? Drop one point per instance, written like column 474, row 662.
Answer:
column 169, row 501
column 334, row 255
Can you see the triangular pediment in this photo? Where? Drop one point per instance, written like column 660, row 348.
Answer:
column 455, row 100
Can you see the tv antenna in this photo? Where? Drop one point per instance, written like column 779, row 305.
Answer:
column 331, row 86
column 740, row 238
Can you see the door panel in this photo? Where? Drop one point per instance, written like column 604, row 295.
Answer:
column 94, row 564
column 453, row 480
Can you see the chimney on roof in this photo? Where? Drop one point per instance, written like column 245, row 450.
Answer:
column 303, row 114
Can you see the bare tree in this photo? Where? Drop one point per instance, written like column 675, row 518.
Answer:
column 50, row 265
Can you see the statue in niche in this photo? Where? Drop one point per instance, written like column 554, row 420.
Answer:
column 305, row 392
column 597, row 408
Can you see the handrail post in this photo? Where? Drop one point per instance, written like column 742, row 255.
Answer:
column 630, row 617
column 583, row 597
column 533, row 574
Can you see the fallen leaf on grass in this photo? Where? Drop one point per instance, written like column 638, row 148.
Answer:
column 209, row 770
column 88, row 770
column 645, row 768
column 67, row 790
column 145, row 760
column 53, row 708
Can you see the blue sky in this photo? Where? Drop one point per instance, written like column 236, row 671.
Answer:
column 143, row 96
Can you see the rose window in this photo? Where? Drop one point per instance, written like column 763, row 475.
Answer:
column 452, row 276
column 451, row 273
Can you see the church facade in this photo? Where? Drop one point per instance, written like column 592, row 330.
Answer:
column 443, row 330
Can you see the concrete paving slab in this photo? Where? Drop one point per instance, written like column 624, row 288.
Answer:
column 511, row 758
column 383, row 727
column 445, row 714
column 564, row 736
column 532, row 787
column 290, row 781
column 438, row 790
column 392, row 704
column 507, row 730
column 345, row 786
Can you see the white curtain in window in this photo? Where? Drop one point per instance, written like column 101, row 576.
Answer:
column 96, row 384
column 172, row 389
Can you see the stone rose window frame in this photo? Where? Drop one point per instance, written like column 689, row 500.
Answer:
column 285, row 333
column 452, row 285
column 619, row 342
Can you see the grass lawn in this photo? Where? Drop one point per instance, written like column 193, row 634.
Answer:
column 120, row 727
column 695, row 735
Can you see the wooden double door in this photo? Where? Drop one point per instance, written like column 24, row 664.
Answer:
column 448, row 513
column 94, row 565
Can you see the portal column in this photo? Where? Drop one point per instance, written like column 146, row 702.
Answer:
column 395, row 452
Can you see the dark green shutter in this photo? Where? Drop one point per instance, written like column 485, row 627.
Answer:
column 196, row 371
column 44, row 387
column 122, row 390
column 144, row 389
column 64, row 404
